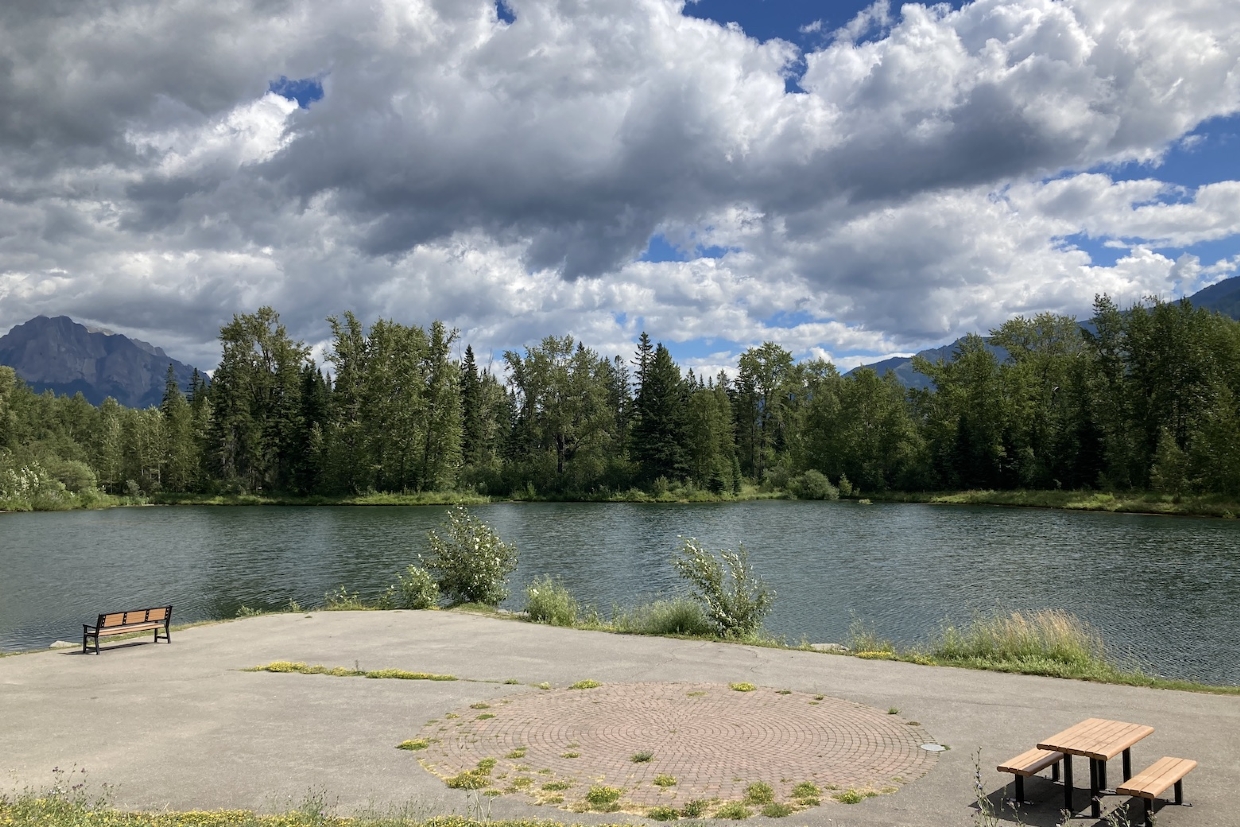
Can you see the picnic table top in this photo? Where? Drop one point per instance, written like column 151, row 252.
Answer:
column 1097, row 738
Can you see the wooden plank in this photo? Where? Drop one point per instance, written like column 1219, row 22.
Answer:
column 114, row 619
column 1097, row 738
column 157, row 614
column 1155, row 779
column 1031, row 762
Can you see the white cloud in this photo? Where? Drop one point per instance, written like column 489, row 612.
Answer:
column 504, row 176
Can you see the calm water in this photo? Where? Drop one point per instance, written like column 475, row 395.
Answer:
column 1163, row 591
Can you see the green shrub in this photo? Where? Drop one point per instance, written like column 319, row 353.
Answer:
column 733, row 810
column 694, row 809
column 736, row 601
column 471, row 564
column 806, row 791
column 548, row 601
column 759, row 792
column 662, row 780
column 775, row 810
column 662, row 814
column 863, row 638
column 813, row 485
column 603, row 798
column 665, row 617
column 643, row 757
column 416, row 589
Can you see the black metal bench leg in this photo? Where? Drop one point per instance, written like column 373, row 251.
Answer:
column 1020, row 790
column 1067, row 782
column 1102, row 776
column 1179, row 792
column 1055, row 771
column 1095, row 805
column 1127, row 764
column 1149, row 812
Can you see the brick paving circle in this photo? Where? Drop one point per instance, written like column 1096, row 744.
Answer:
column 713, row 740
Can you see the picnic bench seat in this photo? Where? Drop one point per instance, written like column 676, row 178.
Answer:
column 1154, row 780
column 1031, row 763
column 134, row 620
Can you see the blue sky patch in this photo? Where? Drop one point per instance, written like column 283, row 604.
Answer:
column 304, row 90
column 504, row 13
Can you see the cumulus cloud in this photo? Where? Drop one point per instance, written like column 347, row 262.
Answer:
column 505, row 174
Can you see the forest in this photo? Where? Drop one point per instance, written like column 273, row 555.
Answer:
column 1145, row 398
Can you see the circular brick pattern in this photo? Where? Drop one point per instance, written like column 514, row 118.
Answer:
column 715, row 741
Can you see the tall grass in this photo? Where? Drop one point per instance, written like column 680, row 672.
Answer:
column 678, row 616
column 549, row 601
column 1047, row 642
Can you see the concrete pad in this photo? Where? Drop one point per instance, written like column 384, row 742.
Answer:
column 180, row 726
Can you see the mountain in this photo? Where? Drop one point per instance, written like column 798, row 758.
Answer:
column 902, row 366
column 65, row 357
column 1223, row 297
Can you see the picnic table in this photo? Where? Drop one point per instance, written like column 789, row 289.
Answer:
column 1099, row 740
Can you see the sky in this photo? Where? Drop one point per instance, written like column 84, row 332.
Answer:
column 849, row 180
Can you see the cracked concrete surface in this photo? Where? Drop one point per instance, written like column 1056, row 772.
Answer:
column 181, row 726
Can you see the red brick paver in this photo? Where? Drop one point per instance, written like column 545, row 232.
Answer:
column 713, row 740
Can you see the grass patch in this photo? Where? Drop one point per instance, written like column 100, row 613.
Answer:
column 694, row 809
column 680, row 616
column 486, row 716
column 664, row 781
column 570, row 754
column 777, row 810
column 663, row 813
column 603, row 798
column 519, row 752
column 807, row 794
column 414, row 744
column 285, row 666
column 480, row 705
column 733, row 810
column 1137, row 502
column 586, row 684
column 557, row 786
column 742, row 687
column 643, row 757
column 759, row 792
column 853, row 796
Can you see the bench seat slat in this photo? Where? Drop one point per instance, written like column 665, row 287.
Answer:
column 1154, row 780
column 1031, row 762
column 132, row 627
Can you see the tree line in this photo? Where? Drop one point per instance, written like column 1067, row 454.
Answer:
column 1146, row 397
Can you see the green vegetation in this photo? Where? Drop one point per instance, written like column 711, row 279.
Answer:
column 759, row 792
column 556, row 786
column 416, row 589
column 778, row 810
column 694, row 808
column 853, row 796
column 643, row 757
column 733, row 810
column 588, row 683
column 743, row 686
column 549, row 601
column 345, row 672
column 603, row 798
column 517, row 753
column 662, row 813
column 471, row 563
column 662, row 780
column 806, row 794
column 1146, row 400
column 734, row 598
column 678, row 616
column 414, row 744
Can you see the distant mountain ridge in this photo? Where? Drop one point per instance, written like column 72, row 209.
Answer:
column 65, row 357
column 1223, row 297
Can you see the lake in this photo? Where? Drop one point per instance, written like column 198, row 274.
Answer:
column 1163, row 591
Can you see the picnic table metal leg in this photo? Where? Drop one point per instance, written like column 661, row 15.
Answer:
column 1067, row 782
column 1127, row 764
column 1179, row 792
column 1095, row 806
column 1102, row 776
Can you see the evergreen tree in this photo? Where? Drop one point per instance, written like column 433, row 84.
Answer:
column 659, row 432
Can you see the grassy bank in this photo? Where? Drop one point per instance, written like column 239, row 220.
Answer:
column 1051, row 643
column 675, row 494
column 1136, row 502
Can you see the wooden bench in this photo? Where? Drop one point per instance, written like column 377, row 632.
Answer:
column 1154, row 780
column 1031, row 763
column 134, row 620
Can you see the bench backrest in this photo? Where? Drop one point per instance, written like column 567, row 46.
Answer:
column 133, row 616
